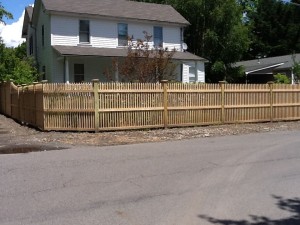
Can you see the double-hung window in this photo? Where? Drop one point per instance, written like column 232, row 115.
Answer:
column 122, row 34
column 84, row 31
column 158, row 36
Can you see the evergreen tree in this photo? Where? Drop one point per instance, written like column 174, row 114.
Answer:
column 274, row 29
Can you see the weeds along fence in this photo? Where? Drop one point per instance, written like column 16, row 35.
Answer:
column 119, row 106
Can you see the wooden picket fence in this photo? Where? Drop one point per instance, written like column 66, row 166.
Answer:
column 119, row 106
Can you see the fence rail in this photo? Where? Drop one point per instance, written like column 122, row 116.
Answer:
column 118, row 106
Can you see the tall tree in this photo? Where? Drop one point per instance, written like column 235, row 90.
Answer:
column 216, row 33
column 274, row 29
column 4, row 13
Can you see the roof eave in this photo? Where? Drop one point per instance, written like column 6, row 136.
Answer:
column 264, row 68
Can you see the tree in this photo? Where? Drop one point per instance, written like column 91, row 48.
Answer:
column 143, row 63
column 216, row 33
column 274, row 29
column 281, row 79
column 16, row 66
column 296, row 69
column 4, row 13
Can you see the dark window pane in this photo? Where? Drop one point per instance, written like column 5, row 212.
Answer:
column 158, row 36
column 79, row 68
column 78, row 73
column 122, row 34
column 84, row 31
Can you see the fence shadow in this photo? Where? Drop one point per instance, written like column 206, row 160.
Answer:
column 291, row 205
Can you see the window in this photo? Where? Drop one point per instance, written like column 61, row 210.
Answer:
column 78, row 73
column 31, row 45
column 84, row 31
column 158, row 36
column 122, row 34
column 44, row 73
column 43, row 36
column 192, row 74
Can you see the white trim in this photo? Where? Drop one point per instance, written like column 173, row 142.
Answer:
column 268, row 67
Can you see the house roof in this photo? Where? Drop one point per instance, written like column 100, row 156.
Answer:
column 114, row 52
column 267, row 65
column 123, row 9
column 27, row 20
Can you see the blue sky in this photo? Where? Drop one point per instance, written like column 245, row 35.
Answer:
column 11, row 32
column 16, row 7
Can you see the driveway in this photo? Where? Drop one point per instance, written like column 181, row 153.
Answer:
column 251, row 179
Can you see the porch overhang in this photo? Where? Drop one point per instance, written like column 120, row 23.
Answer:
column 114, row 52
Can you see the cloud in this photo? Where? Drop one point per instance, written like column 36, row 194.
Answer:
column 11, row 34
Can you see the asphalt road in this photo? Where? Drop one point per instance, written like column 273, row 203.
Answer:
column 236, row 180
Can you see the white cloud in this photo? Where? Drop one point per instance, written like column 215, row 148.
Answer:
column 11, row 34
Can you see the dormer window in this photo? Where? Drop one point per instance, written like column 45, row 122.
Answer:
column 158, row 36
column 84, row 31
column 122, row 34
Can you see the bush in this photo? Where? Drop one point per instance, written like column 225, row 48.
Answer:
column 281, row 79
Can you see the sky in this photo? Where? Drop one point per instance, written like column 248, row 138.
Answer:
column 12, row 31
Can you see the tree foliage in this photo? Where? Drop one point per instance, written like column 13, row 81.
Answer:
column 296, row 69
column 16, row 66
column 281, row 79
column 216, row 33
column 274, row 29
column 4, row 13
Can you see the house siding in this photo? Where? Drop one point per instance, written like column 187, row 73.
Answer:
column 104, row 34
column 64, row 30
column 200, row 72
column 172, row 38
column 58, row 68
column 43, row 53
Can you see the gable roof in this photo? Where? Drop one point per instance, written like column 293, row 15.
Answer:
column 27, row 20
column 123, row 9
column 272, row 63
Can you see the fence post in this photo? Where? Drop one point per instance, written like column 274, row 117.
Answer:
column 164, row 84
column 96, row 101
column 34, row 102
column 19, row 107
column 271, row 83
column 4, row 108
column 23, row 121
column 222, row 85
column 10, row 97
column 43, row 103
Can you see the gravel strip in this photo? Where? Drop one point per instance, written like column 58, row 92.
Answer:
column 12, row 132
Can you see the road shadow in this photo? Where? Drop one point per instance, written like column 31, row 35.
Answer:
column 291, row 205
